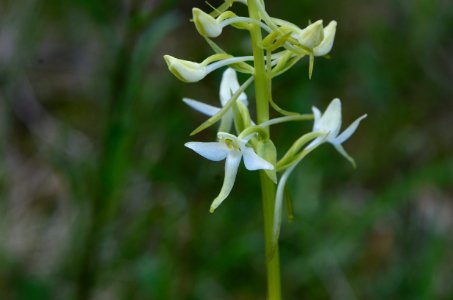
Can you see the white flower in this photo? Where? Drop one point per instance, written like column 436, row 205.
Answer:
column 232, row 149
column 228, row 86
column 327, row 42
column 329, row 124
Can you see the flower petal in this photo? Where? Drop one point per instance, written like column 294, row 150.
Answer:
column 229, row 85
column 311, row 35
column 343, row 152
column 231, row 168
column 349, row 131
column 204, row 108
column 213, row 150
column 326, row 44
column 253, row 161
column 331, row 119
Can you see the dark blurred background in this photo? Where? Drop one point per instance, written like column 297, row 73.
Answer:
column 100, row 200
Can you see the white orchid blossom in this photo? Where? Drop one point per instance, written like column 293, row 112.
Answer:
column 232, row 149
column 228, row 86
column 329, row 124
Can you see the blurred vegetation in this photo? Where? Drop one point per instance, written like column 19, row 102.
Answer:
column 99, row 199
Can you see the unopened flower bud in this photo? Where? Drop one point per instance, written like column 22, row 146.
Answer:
column 185, row 70
column 326, row 44
column 205, row 24
column 312, row 35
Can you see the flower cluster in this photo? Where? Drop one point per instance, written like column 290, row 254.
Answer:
column 284, row 44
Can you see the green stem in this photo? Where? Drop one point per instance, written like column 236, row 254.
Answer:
column 262, row 91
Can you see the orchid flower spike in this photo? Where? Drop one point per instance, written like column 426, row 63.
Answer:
column 189, row 71
column 228, row 86
column 329, row 124
column 232, row 149
column 327, row 42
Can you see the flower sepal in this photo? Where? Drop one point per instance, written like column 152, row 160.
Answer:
column 327, row 42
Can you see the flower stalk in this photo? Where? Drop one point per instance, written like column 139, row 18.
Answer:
column 262, row 91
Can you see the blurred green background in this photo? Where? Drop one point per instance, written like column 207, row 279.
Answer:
column 100, row 200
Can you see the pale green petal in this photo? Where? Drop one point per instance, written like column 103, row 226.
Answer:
column 349, row 131
column 204, row 108
column 212, row 150
column 228, row 136
column 311, row 35
column 231, row 168
column 326, row 44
